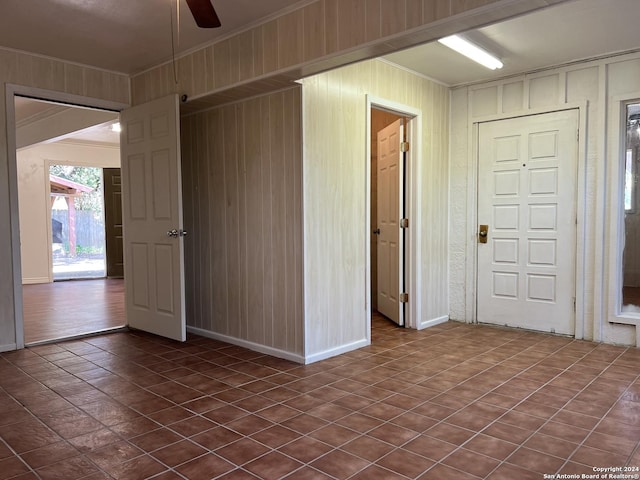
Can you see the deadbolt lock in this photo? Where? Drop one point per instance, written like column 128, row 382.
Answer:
column 483, row 233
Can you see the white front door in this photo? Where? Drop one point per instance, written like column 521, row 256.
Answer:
column 152, row 207
column 527, row 197
column 390, row 203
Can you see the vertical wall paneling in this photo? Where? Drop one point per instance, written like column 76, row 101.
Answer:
column 334, row 166
column 243, row 183
column 323, row 34
column 266, row 210
column 351, row 31
column 270, row 51
column 254, row 221
column 393, row 17
column 313, row 31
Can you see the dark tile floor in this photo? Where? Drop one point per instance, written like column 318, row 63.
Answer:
column 455, row 401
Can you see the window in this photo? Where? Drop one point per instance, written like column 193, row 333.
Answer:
column 631, row 227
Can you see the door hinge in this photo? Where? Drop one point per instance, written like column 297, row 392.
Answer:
column 404, row 223
column 404, row 297
column 404, row 147
column 574, row 304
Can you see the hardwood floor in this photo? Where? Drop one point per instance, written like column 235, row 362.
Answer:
column 67, row 309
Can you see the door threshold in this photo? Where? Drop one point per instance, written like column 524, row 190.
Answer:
column 80, row 336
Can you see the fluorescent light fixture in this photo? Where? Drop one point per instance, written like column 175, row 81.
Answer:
column 471, row 51
column 116, row 127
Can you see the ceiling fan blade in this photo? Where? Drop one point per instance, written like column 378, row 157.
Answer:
column 204, row 13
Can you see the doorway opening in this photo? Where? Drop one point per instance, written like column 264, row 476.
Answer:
column 77, row 222
column 61, row 151
column 390, row 209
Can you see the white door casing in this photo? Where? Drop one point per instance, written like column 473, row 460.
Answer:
column 390, row 204
column 152, row 207
column 527, row 170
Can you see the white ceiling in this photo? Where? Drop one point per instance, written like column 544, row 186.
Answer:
column 131, row 35
column 557, row 35
column 121, row 35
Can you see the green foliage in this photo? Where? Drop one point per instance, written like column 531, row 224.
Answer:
column 89, row 176
column 81, row 250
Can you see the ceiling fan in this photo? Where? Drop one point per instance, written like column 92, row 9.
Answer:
column 204, row 13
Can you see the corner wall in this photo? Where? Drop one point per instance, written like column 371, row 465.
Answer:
column 242, row 202
column 334, row 196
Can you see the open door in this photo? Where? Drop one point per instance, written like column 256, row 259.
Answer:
column 112, row 184
column 152, row 218
column 390, row 212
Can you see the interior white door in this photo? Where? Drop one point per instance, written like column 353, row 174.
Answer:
column 152, row 207
column 390, row 204
column 527, row 196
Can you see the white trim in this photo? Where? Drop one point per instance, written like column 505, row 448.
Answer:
column 49, row 214
column 9, row 347
column 413, row 262
column 616, row 136
column 256, row 347
column 79, row 336
column 332, row 352
column 471, row 314
column 433, row 322
column 580, row 199
column 11, row 91
column 35, row 280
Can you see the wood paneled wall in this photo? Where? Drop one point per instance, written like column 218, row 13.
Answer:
column 334, row 165
column 318, row 36
column 242, row 191
column 599, row 88
column 44, row 73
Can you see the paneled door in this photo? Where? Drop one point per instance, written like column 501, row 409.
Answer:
column 527, row 199
column 390, row 204
column 112, row 184
column 152, row 214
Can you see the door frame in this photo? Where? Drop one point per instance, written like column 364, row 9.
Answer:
column 11, row 91
column 413, row 257
column 472, row 207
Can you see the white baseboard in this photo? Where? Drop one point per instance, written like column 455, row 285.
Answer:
column 432, row 322
column 274, row 352
column 332, row 352
column 34, row 280
column 9, row 347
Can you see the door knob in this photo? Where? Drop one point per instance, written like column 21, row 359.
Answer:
column 376, row 231
column 483, row 233
column 176, row 233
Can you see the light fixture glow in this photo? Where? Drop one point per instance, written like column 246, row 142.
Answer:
column 471, row 51
column 116, row 127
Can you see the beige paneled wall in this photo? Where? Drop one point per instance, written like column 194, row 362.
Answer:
column 43, row 73
column 242, row 183
column 318, row 36
column 588, row 85
column 334, row 119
